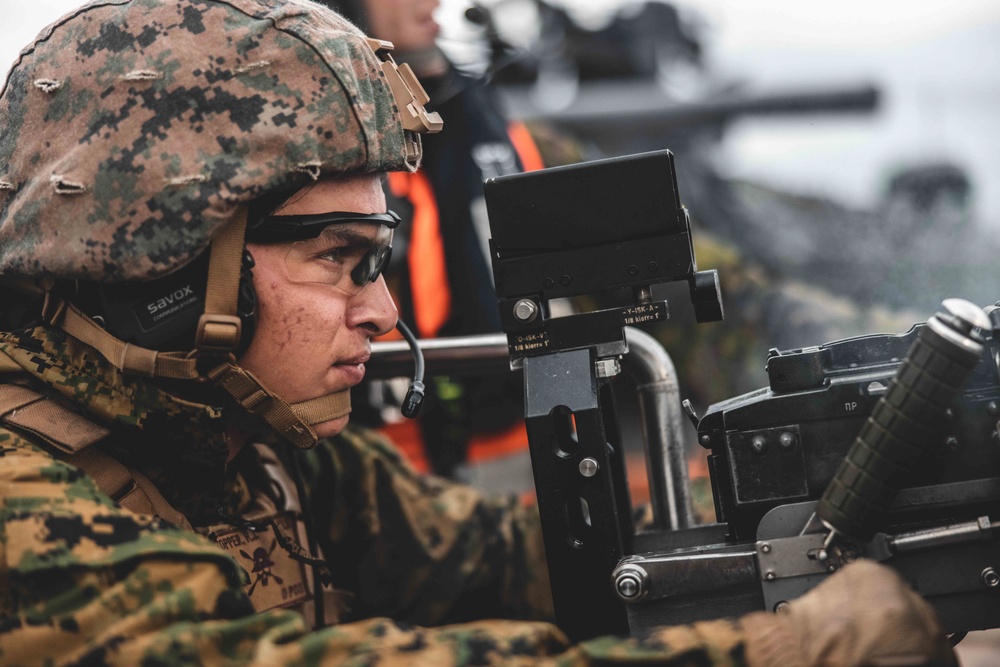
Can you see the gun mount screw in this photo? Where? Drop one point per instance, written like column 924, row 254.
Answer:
column 607, row 368
column 525, row 310
column 781, row 608
column 565, row 279
column 770, row 575
column 548, row 282
column 822, row 556
column 786, row 440
column 631, row 582
column 633, row 269
column 653, row 267
column 589, row 467
column 991, row 579
column 627, row 587
column 758, row 444
column 993, row 408
column 765, row 548
column 951, row 443
column 705, row 440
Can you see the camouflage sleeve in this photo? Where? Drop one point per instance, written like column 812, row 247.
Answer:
column 84, row 582
column 422, row 548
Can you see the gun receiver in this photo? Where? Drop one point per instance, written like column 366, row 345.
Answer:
column 926, row 501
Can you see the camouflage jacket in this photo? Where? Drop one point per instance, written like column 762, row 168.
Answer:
column 84, row 581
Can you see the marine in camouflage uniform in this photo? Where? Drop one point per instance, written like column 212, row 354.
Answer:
column 136, row 138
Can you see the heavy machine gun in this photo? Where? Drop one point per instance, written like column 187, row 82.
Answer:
column 881, row 446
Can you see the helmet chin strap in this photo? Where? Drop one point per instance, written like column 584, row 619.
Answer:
column 217, row 335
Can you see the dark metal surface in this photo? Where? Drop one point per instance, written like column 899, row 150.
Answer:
column 827, row 393
column 585, row 529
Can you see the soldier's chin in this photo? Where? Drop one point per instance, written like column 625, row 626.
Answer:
column 330, row 428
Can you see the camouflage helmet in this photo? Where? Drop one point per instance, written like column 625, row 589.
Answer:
column 132, row 130
column 135, row 134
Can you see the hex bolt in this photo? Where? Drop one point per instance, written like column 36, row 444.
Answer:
column 628, row 587
column 758, row 444
column 653, row 267
column 589, row 467
column 786, row 440
column 770, row 575
column 565, row 280
column 525, row 310
column 548, row 282
column 765, row 548
column 633, row 269
column 991, row 579
column 630, row 582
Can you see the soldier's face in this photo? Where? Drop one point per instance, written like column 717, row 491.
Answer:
column 314, row 338
column 408, row 24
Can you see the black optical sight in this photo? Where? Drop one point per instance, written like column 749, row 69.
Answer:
column 590, row 228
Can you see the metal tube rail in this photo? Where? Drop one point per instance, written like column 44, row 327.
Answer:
column 662, row 436
column 461, row 355
column 647, row 362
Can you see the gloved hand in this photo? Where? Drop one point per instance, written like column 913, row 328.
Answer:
column 865, row 614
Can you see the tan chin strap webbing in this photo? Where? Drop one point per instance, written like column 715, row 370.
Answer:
column 218, row 334
column 324, row 408
column 292, row 421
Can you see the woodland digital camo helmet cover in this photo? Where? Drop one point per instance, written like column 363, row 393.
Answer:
column 132, row 130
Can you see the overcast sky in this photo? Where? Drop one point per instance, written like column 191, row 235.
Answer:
column 936, row 63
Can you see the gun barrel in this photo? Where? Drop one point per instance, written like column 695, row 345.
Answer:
column 599, row 106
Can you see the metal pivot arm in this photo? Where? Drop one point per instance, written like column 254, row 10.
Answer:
column 582, row 495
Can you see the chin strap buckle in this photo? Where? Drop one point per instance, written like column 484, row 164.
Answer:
column 218, row 333
column 253, row 397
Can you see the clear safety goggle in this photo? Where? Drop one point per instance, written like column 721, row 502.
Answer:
column 344, row 250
